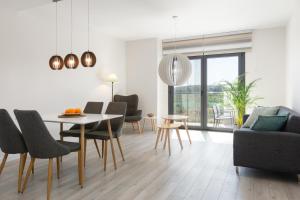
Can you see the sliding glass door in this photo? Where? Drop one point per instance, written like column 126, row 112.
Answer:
column 202, row 97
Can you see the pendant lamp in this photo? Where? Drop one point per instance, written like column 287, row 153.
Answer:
column 88, row 58
column 56, row 62
column 175, row 69
column 71, row 60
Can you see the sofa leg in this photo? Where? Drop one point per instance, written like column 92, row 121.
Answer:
column 298, row 178
column 237, row 170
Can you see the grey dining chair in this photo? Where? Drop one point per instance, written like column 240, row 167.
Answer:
column 101, row 131
column 74, row 131
column 41, row 145
column 12, row 142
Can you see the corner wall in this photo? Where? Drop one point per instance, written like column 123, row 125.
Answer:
column 293, row 60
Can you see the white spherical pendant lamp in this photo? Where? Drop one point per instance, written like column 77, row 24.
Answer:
column 175, row 69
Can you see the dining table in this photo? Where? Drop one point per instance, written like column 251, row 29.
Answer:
column 82, row 121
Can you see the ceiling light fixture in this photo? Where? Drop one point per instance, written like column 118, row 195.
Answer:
column 56, row 62
column 71, row 60
column 175, row 69
column 88, row 58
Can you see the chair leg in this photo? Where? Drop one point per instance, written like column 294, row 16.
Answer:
column 49, row 185
column 3, row 162
column 85, row 141
column 21, row 169
column 179, row 138
column 28, row 174
column 139, row 127
column 133, row 126
column 62, row 139
column 157, row 137
column 57, row 168
column 102, row 148
column 98, row 151
column 105, row 154
column 120, row 147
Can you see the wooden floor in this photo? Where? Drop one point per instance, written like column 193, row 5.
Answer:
column 202, row 170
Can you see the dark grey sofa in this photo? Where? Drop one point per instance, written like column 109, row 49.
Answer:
column 269, row 150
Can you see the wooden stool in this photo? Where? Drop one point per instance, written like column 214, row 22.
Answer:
column 152, row 120
column 165, row 129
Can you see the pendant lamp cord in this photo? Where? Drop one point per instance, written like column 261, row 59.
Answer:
column 71, row 26
column 56, row 34
column 175, row 34
column 88, row 25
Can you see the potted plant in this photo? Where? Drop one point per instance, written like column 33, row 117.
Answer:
column 239, row 95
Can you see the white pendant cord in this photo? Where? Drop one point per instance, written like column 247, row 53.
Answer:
column 88, row 25
column 175, row 33
column 56, row 31
column 71, row 26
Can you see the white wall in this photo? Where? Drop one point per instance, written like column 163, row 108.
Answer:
column 142, row 65
column 267, row 62
column 293, row 60
column 27, row 41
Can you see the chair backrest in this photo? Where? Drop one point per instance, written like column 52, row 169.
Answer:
column 115, row 108
column 93, row 107
column 132, row 103
column 90, row 108
column 215, row 111
column 39, row 142
column 11, row 139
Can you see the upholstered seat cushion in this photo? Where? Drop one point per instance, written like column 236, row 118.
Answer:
column 100, row 135
column 72, row 132
column 72, row 146
column 133, row 118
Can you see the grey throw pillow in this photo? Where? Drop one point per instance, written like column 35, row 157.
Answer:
column 260, row 111
column 293, row 124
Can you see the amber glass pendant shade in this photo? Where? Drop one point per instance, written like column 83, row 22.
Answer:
column 56, row 62
column 88, row 59
column 71, row 61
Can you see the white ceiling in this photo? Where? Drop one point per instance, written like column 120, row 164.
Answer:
column 136, row 19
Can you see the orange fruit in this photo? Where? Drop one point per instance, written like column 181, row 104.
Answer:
column 77, row 110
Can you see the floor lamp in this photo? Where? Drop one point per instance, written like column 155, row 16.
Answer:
column 112, row 78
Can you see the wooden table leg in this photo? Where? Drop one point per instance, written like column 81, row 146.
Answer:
column 81, row 164
column 179, row 138
column 187, row 131
column 61, row 137
column 166, row 137
column 169, row 142
column 157, row 138
column 111, row 143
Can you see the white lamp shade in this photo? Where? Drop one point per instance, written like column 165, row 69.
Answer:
column 175, row 69
column 112, row 78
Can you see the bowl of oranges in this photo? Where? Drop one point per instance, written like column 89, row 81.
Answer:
column 72, row 112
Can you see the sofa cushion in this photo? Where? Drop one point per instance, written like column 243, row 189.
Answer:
column 293, row 124
column 260, row 111
column 269, row 123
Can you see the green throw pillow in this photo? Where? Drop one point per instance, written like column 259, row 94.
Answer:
column 269, row 123
column 259, row 111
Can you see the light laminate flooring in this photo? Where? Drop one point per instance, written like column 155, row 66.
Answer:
column 202, row 170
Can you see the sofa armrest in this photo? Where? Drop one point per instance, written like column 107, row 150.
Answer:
column 245, row 117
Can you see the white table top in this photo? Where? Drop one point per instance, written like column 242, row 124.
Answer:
column 87, row 119
column 175, row 117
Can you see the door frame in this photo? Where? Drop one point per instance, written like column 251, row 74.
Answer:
column 204, row 99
